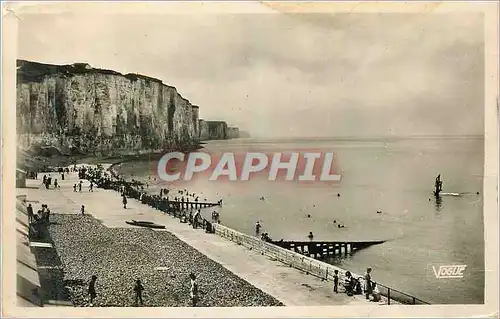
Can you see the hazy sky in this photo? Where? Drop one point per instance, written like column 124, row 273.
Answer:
column 290, row 75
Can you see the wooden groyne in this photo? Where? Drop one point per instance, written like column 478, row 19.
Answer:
column 193, row 204
column 322, row 249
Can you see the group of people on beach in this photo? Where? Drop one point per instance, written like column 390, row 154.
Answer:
column 138, row 291
column 47, row 181
column 179, row 207
column 37, row 220
column 358, row 286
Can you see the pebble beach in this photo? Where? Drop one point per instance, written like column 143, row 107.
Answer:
column 119, row 256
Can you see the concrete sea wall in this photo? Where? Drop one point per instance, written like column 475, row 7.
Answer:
column 203, row 130
column 217, row 130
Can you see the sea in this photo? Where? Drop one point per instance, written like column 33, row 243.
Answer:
column 385, row 193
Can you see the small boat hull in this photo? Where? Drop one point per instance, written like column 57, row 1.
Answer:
column 145, row 224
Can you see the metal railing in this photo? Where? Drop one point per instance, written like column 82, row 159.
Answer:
column 308, row 265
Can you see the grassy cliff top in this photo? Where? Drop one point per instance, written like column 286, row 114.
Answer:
column 29, row 71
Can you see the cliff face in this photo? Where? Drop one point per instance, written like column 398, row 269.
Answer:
column 217, row 130
column 203, row 130
column 81, row 109
column 233, row 132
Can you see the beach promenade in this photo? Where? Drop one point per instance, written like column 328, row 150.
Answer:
column 288, row 285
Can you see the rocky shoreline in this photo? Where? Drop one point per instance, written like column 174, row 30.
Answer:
column 119, row 256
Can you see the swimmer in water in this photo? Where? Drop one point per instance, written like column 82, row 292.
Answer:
column 311, row 236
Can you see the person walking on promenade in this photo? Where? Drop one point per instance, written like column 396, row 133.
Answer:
column 124, row 201
column 92, row 292
column 82, row 209
column 91, row 187
column 56, row 185
column 335, row 281
column 62, row 176
column 29, row 209
column 80, row 186
column 74, row 188
column 368, row 283
column 138, row 288
column 195, row 219
column 194, row 290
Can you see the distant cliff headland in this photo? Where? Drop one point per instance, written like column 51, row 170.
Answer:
column 78, row 109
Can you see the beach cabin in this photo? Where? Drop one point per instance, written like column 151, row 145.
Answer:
column 20, row 178
column 28, row 280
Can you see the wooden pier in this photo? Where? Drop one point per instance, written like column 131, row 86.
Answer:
column 323, row 249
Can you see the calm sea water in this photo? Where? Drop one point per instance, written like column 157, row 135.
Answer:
column 395, row 176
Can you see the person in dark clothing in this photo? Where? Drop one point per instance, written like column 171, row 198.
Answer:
column 195, row 219
column 335, row 281
column 92, row 292
column 193, row 290
column 74, row 188
column 56, row 184
column 80, row 186
column 30, row 213
column 124, row 201
column 138, row 292
column 257, row 228
column 368, row 283
column 82, row 209
column 62, row 176
column 310, row 236
column 91, row 187
column 47, row 215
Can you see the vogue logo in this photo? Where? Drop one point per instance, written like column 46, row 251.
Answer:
column 451, row 271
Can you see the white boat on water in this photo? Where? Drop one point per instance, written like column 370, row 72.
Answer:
column 450, row 194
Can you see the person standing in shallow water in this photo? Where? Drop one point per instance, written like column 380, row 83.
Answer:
column 257, row 228
column 92, row 292
column 138, row 288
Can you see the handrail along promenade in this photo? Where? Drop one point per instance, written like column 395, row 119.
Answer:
column 307, row 264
